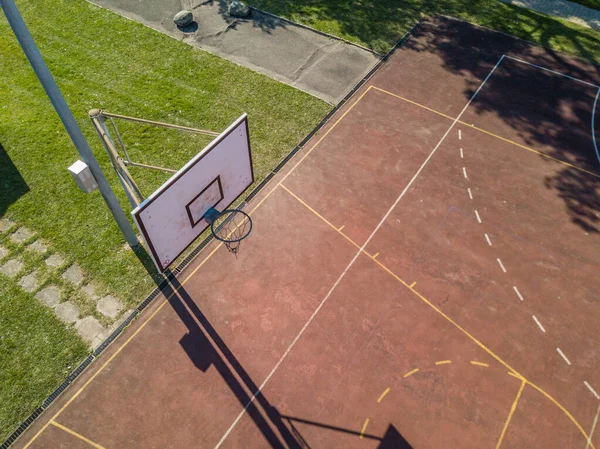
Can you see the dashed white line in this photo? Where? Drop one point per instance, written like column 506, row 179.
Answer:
column 487, row 237
column 538, row 323
column 470, row 194
column 461, row 154
column 465, row 173
column 562, row 354
column 518, row 293
column 591, row 389
column 459, row 134
column 478, row 217
column 501, row 265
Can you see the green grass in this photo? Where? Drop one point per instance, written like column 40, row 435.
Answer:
column 36, row 354
column 378, row 24
column 101, row 60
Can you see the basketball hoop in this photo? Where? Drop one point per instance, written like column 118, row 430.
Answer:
column 230, row 226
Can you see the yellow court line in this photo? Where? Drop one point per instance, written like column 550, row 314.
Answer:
column 377, row 254
column 412, row 285
column 182, row 283
column 75, row 434
column 410, row 373
column 511, row 372
column 443, row 362
column 362, row 432
column 387, row 390
column 510, row 414
column 342, row 227
column 473, row 362
column 488, row 133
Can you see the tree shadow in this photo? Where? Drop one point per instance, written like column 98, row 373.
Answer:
column 543, row 110
column 12, row 184
column 264, row 22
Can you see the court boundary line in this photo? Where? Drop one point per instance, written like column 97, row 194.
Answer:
column 504, row 139
column 522, row 61
column 513, row 372
column 594, row 124
column 75, row 434
column 359, row 252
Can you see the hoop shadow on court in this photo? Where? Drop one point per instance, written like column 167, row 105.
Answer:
column 205, row 348
column 12, row 184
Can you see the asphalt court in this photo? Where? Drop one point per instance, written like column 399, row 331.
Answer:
column 414, row 279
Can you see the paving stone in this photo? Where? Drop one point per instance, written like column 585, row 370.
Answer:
column 38, row 246
column 67, row 312
column 55, row 260
column 11, row 268
column 21, row 234
column 88, row 289
column 117, row 323
column 73, row 275
column 49, row 296
column 89, row 328
column 30, row 282
column 109, row 306
column 5, row 224
column 3, row 252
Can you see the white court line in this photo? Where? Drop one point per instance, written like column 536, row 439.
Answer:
column 593, row 124
column 562, row 354
column 459, row 134
column 589, row 440
column 538, row 323
column 461, row 154
column 552, row 71
column 591, row 389
column 465, row 173
column 501, row 265
column 518, row 293
column 478, row 217
column 470, row 194
column 362, row 248
column 487, row 237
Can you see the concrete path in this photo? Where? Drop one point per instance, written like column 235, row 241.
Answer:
column 573, row 12
column 318, row 64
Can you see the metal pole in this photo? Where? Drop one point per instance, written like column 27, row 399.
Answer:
column 41, row 70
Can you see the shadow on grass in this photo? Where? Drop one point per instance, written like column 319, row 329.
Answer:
column 12, row 184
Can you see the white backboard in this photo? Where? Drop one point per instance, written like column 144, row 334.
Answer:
column 172, row 217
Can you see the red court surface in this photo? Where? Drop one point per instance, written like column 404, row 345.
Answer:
column 423, row 274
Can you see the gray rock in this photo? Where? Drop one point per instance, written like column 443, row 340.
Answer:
column 88, row 289
column 55, row 261
column 109, row 306
column 20, row 235
column 30, row 282
column 73, row 275
column 89, row 328
column 67, row 312
column 6, row 224
column 183, row 18
column 49, row 296
column 38, row 246
column 238, row 9
column 3, row 252
column 11, row 268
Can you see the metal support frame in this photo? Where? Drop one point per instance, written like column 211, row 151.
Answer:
column 43, row 73
column 120, row 164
